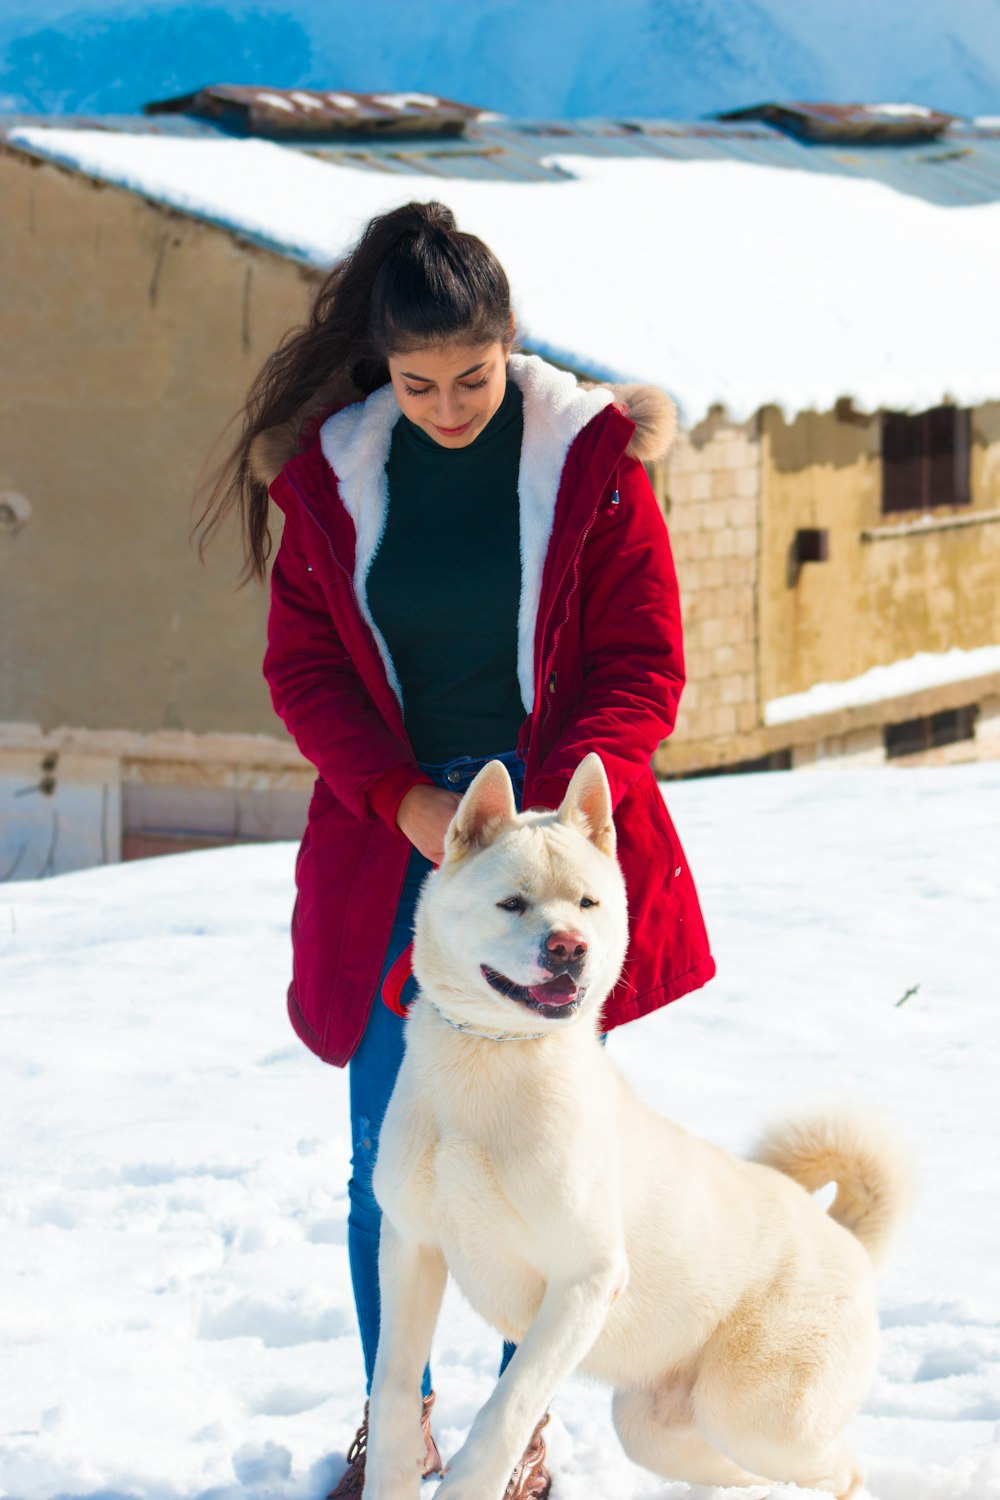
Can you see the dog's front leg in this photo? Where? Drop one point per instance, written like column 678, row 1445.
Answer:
column 571, row 1316
column 412, row 1279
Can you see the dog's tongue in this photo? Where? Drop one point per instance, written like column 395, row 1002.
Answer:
column 561, row 991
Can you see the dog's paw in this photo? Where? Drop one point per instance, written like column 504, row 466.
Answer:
column 383, row 1482
column 467, row 1479
column 458, row 1489
column 400, row 1491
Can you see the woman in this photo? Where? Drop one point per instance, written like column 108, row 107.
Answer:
column 472, row 565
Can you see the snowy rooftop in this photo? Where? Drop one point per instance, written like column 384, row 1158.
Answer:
column 725, row 274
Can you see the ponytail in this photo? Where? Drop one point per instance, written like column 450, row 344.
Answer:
column 412, row 279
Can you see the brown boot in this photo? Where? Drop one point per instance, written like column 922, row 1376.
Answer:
column 432, row 1461
column 352, row 1481
column 531, row 1480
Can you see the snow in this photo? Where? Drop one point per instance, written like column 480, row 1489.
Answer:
column 407, row 101
column 175, row 1308
column 277, row 101
column 684, row 273
column 901, row 110
column 928, row 669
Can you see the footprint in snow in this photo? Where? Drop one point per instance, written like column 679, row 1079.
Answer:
column 287, row 1401
column 276, row 1325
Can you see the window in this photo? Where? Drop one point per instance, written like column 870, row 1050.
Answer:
column 925, row 459
column 916, row 735
column 778, row 760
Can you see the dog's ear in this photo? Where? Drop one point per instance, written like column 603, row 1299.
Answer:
column 487, row 807
column 587, row 804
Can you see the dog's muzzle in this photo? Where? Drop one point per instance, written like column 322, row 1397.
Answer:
column 555, row 998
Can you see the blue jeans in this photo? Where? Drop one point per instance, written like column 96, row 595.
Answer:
column 373, row 1070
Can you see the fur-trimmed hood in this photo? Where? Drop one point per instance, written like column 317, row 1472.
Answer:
column 650, row 408
column 654, row 415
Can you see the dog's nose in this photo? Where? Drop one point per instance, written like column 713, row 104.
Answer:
column 567, row 947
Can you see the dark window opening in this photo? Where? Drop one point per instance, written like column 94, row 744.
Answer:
column 811, row 545
column 925, row 459
column 916, row 735
column 779, row 760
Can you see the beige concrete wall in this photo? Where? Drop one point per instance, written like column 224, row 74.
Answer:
column 893, row 586
column 71, row 798
column 58, row 812
column 128, row 335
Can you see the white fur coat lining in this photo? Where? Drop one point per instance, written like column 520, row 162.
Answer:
column 356, row 442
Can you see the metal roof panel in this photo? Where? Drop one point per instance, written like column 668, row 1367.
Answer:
column 958, row 168
column 282, row 113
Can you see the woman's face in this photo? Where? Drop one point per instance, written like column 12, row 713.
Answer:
column 450, row 390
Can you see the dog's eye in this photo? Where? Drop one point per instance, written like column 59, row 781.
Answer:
column 513, row 903
column 588, row 901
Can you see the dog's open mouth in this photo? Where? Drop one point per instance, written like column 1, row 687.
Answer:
column 556, row 997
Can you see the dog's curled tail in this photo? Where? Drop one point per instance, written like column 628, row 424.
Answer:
column 859, row 1152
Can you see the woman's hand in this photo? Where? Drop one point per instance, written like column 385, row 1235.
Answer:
column 424, row 815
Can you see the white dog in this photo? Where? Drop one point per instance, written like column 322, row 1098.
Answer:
column 734, row 1318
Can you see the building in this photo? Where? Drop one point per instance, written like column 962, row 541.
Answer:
column 822, row 308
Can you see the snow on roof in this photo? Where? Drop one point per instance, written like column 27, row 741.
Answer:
column 894, row 680
column 900, row 109
column 281, row 113
column 726, row 282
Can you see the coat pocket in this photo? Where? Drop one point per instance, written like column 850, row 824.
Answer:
column 661, row 820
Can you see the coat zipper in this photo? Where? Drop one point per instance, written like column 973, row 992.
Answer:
column 319, row 526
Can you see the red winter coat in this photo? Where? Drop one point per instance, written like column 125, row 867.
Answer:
column 599, row 663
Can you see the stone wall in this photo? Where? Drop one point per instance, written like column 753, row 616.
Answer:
column 712, row 503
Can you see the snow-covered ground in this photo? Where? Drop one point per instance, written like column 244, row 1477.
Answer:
column 175, row 1308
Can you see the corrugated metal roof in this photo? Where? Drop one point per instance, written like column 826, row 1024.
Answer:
column 856, row 124
column 281, row 113
column 960, row 167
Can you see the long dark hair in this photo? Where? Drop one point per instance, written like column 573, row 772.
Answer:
column 412, row 279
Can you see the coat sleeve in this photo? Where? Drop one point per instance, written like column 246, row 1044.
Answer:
column 318, row 693
column 633, row 661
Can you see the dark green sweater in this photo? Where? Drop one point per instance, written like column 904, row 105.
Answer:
column 445, row 585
